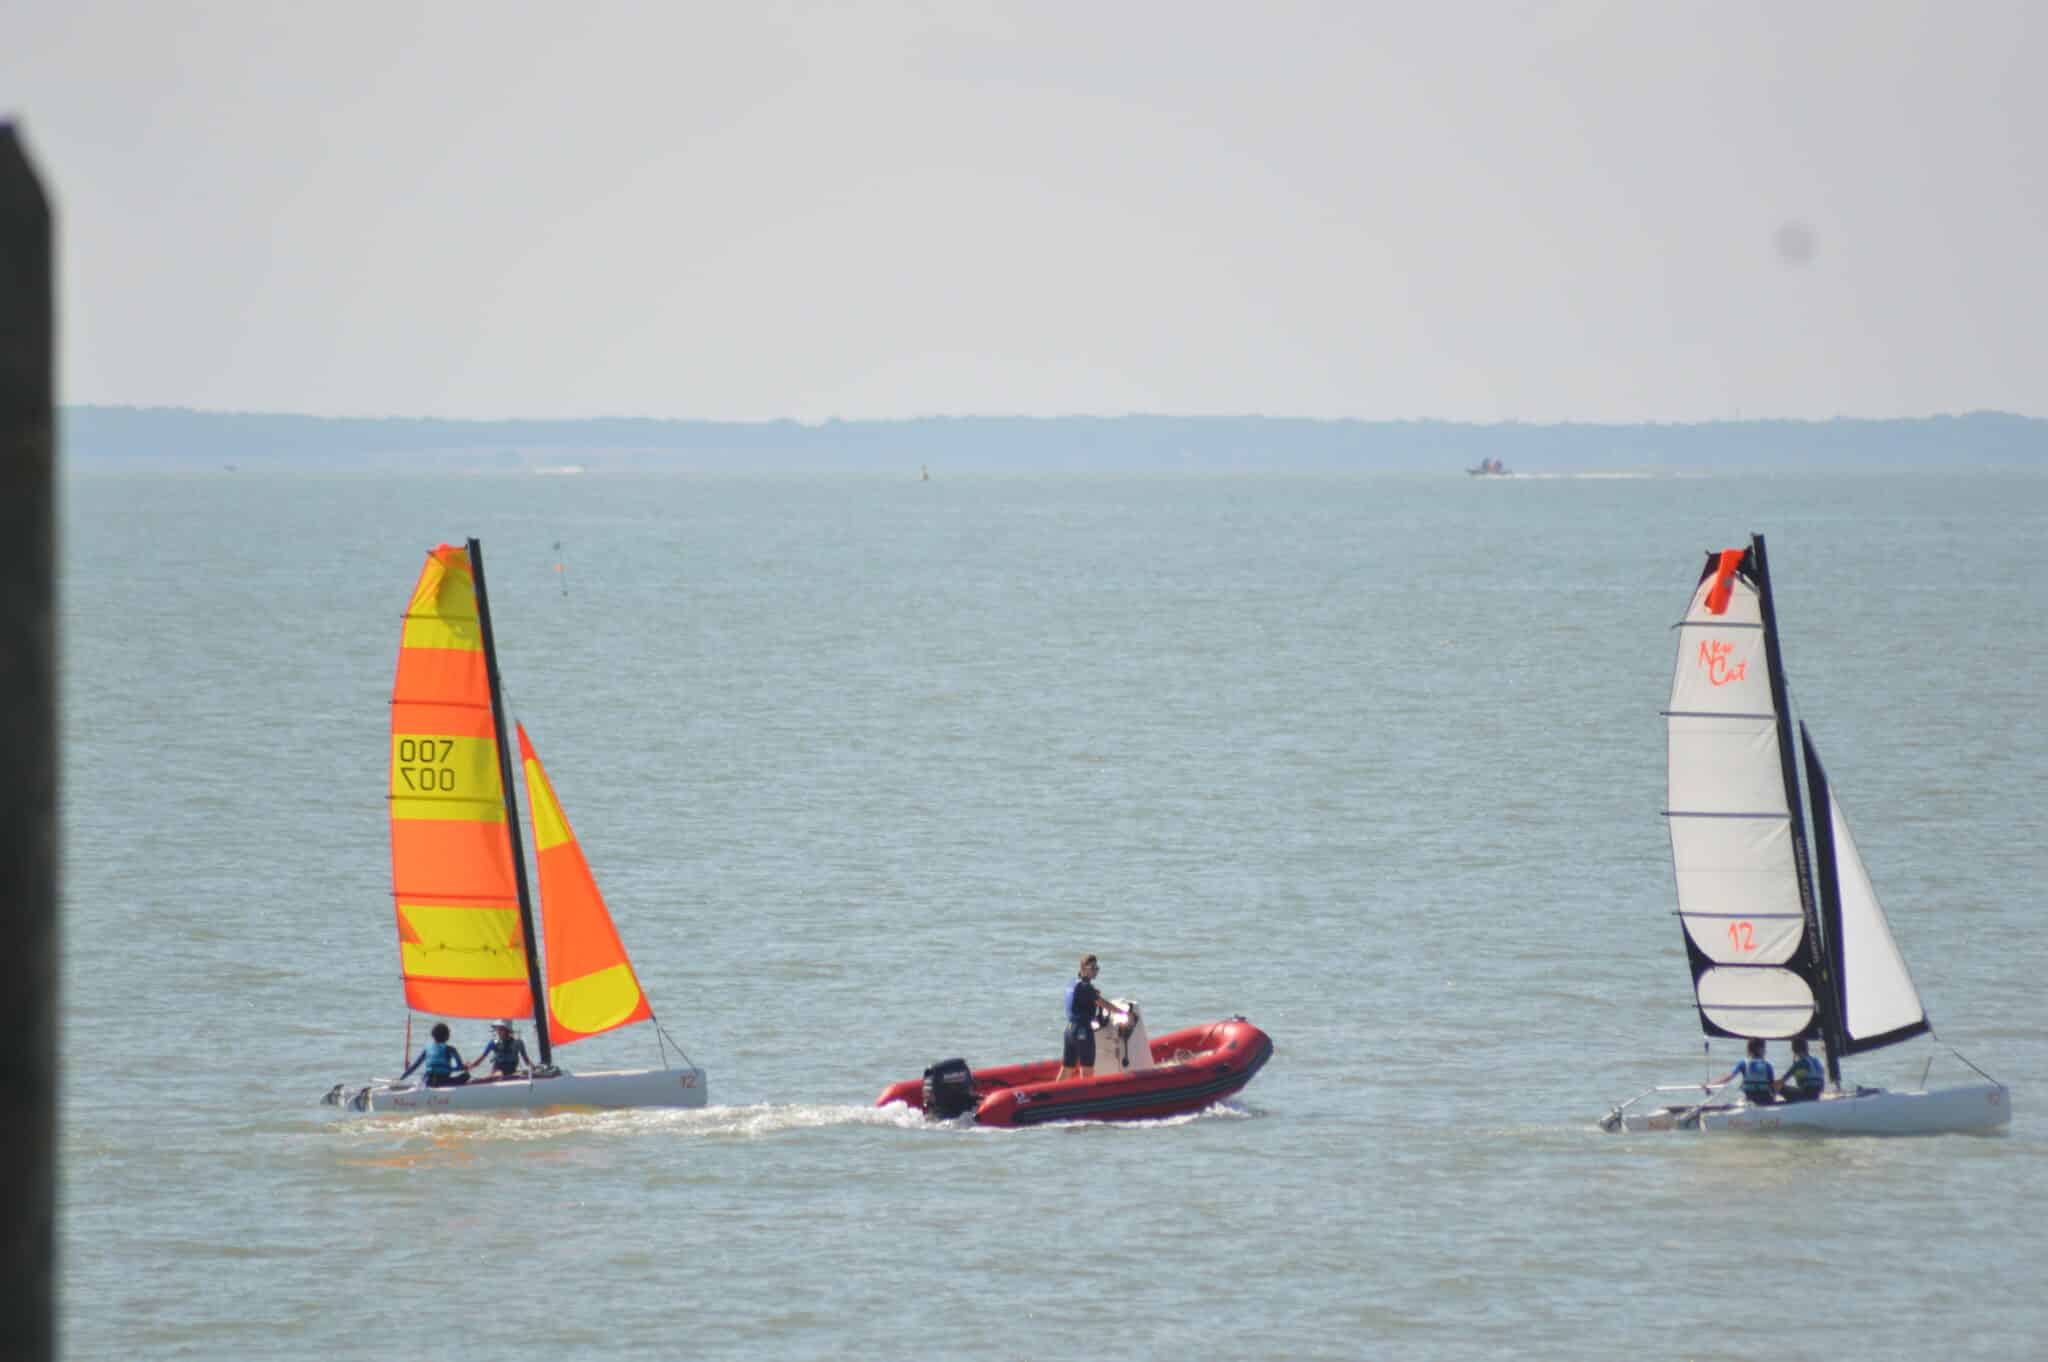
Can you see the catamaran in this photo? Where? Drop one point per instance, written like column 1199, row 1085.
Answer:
column 466, row 944
column 1783, row 941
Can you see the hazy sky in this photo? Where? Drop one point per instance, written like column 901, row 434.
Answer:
column 1608, row 212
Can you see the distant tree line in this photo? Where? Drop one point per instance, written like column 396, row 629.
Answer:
column 94, row 436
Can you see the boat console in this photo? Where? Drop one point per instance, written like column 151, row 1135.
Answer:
column 1121, row 1044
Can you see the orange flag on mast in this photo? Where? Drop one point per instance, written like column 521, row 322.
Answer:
column 459, row 944
column 591, row 985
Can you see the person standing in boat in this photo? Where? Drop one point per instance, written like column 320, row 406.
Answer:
column 445, row 1067
column 504, row 1052
column 1759, row 1081
column 1084, row 1004
column 1806, row 1077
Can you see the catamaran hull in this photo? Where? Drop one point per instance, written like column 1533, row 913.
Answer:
column 1868, row 1111
column 1194, row 1068
column 615, row 1089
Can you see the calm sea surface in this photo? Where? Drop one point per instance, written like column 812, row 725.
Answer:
column 864, row 765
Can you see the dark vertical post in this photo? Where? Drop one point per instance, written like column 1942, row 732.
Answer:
column 1818, row 976
column 483, row 618
column 1829, row 887
column 28, row 759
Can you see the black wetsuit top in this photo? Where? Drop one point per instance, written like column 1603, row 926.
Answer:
column 1082, row 1000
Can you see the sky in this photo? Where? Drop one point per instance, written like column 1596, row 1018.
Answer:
column 1654, row 211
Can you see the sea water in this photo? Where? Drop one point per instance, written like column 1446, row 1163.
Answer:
column 864, row 765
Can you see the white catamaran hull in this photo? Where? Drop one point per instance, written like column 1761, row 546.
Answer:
column 618, row 1088
column 1865, row 1111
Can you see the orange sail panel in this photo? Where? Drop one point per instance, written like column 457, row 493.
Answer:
column 459, row 944
column 591, row 985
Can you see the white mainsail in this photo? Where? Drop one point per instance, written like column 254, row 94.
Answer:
column 1731, row 821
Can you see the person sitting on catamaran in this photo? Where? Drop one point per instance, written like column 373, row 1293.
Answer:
column 1805, row 1079
column 445, row 1067
column 1759, row 1081
column 504, row 1052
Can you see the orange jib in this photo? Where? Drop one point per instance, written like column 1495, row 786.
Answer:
column 459, row 944
column 591, row 985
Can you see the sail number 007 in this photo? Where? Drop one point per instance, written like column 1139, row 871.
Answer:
column 419, row 764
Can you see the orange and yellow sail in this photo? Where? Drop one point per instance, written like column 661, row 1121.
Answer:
column 459, row 942
column 591, row 985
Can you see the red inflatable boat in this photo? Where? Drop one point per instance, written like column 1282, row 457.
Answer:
column 1135, row 1078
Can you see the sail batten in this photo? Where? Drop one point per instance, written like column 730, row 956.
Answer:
column 1756, row 917
column 461, row 950
column 1723, row 813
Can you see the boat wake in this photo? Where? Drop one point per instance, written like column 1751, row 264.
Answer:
column 705, row 1123
column 746, row 1122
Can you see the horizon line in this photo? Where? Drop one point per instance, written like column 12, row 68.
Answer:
column 828, row 422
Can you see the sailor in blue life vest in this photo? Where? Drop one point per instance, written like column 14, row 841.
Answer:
column 1759, row 1084
column 504, row 1052
column 1084, row 1004
column 1805, row 1079
column 445, row 1068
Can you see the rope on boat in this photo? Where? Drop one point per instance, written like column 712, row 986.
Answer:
column 1966, row 1061
column 1928, row 1067
column 664, row 1039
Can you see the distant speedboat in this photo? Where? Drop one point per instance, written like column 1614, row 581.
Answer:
column 1781, row 944
column 1136, row 1078
column 1488, row 468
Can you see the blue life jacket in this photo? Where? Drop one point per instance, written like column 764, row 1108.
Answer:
column 505, row 1054
column 440, row 1059
column 1806, row 1072
column 1080, row 1004
column 1756, row 1077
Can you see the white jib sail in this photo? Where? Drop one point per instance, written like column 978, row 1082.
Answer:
column 1877, row 992
column 1731, row 829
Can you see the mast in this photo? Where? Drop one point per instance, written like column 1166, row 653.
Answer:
column 483, row 618
column 1829, row 886
column 1825, row 994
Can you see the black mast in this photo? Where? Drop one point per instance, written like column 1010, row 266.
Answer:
column 1830, row 887
column 1819, row 976
column 483, row 619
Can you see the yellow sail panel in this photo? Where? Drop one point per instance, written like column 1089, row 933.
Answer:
column 591, row 985
column 459, row 943
column 595, row 1003
column 442, row 612
column 434, row 775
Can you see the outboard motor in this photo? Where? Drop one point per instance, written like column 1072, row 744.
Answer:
column 948, row 1089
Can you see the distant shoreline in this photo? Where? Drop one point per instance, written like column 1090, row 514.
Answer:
column 101, row 437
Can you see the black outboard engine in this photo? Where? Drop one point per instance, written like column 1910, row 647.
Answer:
column 948, row 1089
